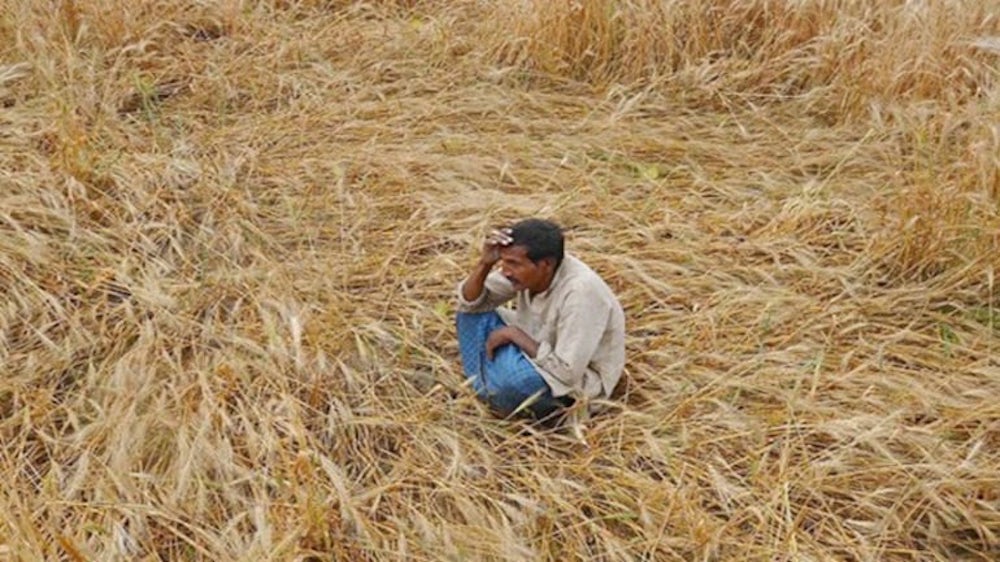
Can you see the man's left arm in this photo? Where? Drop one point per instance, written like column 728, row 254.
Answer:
column 583, row 318
column 514, row 335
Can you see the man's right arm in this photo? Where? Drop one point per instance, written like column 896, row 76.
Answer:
column 479, row 292
column 475, row 283
column 488, row 294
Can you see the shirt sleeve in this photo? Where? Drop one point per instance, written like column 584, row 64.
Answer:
column 583, row 318
column 496, row 291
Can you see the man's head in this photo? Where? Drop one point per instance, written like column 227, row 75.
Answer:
column 531, row 259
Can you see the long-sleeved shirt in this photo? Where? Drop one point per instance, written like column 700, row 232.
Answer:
column 578, row 323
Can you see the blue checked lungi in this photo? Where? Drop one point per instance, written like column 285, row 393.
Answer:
column 508, row 379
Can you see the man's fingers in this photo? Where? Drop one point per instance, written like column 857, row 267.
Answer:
column 493, row 341
column 501, row 237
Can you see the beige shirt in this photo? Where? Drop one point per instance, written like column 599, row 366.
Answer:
column 578, row 323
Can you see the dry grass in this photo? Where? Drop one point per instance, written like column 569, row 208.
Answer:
column 836, row 59
column 230, row 232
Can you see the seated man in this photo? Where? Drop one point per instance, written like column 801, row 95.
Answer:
column 563, row 341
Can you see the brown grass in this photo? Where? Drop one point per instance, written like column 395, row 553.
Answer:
column 230, row 233
column 836, row 59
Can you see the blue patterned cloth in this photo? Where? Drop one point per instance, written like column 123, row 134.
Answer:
column 508, row 379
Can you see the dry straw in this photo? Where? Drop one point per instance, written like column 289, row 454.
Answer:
column 230, row 234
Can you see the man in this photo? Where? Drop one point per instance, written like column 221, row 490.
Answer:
column 563, row 341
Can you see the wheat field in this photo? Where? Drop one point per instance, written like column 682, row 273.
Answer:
column 231, row 232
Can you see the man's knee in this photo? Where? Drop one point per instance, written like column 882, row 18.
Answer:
column 466, row 321
column 467, row 326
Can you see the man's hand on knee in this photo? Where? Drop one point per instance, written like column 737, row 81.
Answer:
column 510, row 334
column 496, row 339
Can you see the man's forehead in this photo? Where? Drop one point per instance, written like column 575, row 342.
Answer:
column 516, row 251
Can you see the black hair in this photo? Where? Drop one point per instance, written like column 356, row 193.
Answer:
column 541, row 238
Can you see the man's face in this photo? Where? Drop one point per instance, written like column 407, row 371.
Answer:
column 522, row 272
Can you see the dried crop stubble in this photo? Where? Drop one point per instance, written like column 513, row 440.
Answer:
column 227, row 329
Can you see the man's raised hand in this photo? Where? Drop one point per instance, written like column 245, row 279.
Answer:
column 472, row 287
column 491, row 248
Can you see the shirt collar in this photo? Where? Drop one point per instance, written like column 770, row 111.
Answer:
column 557, row 279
